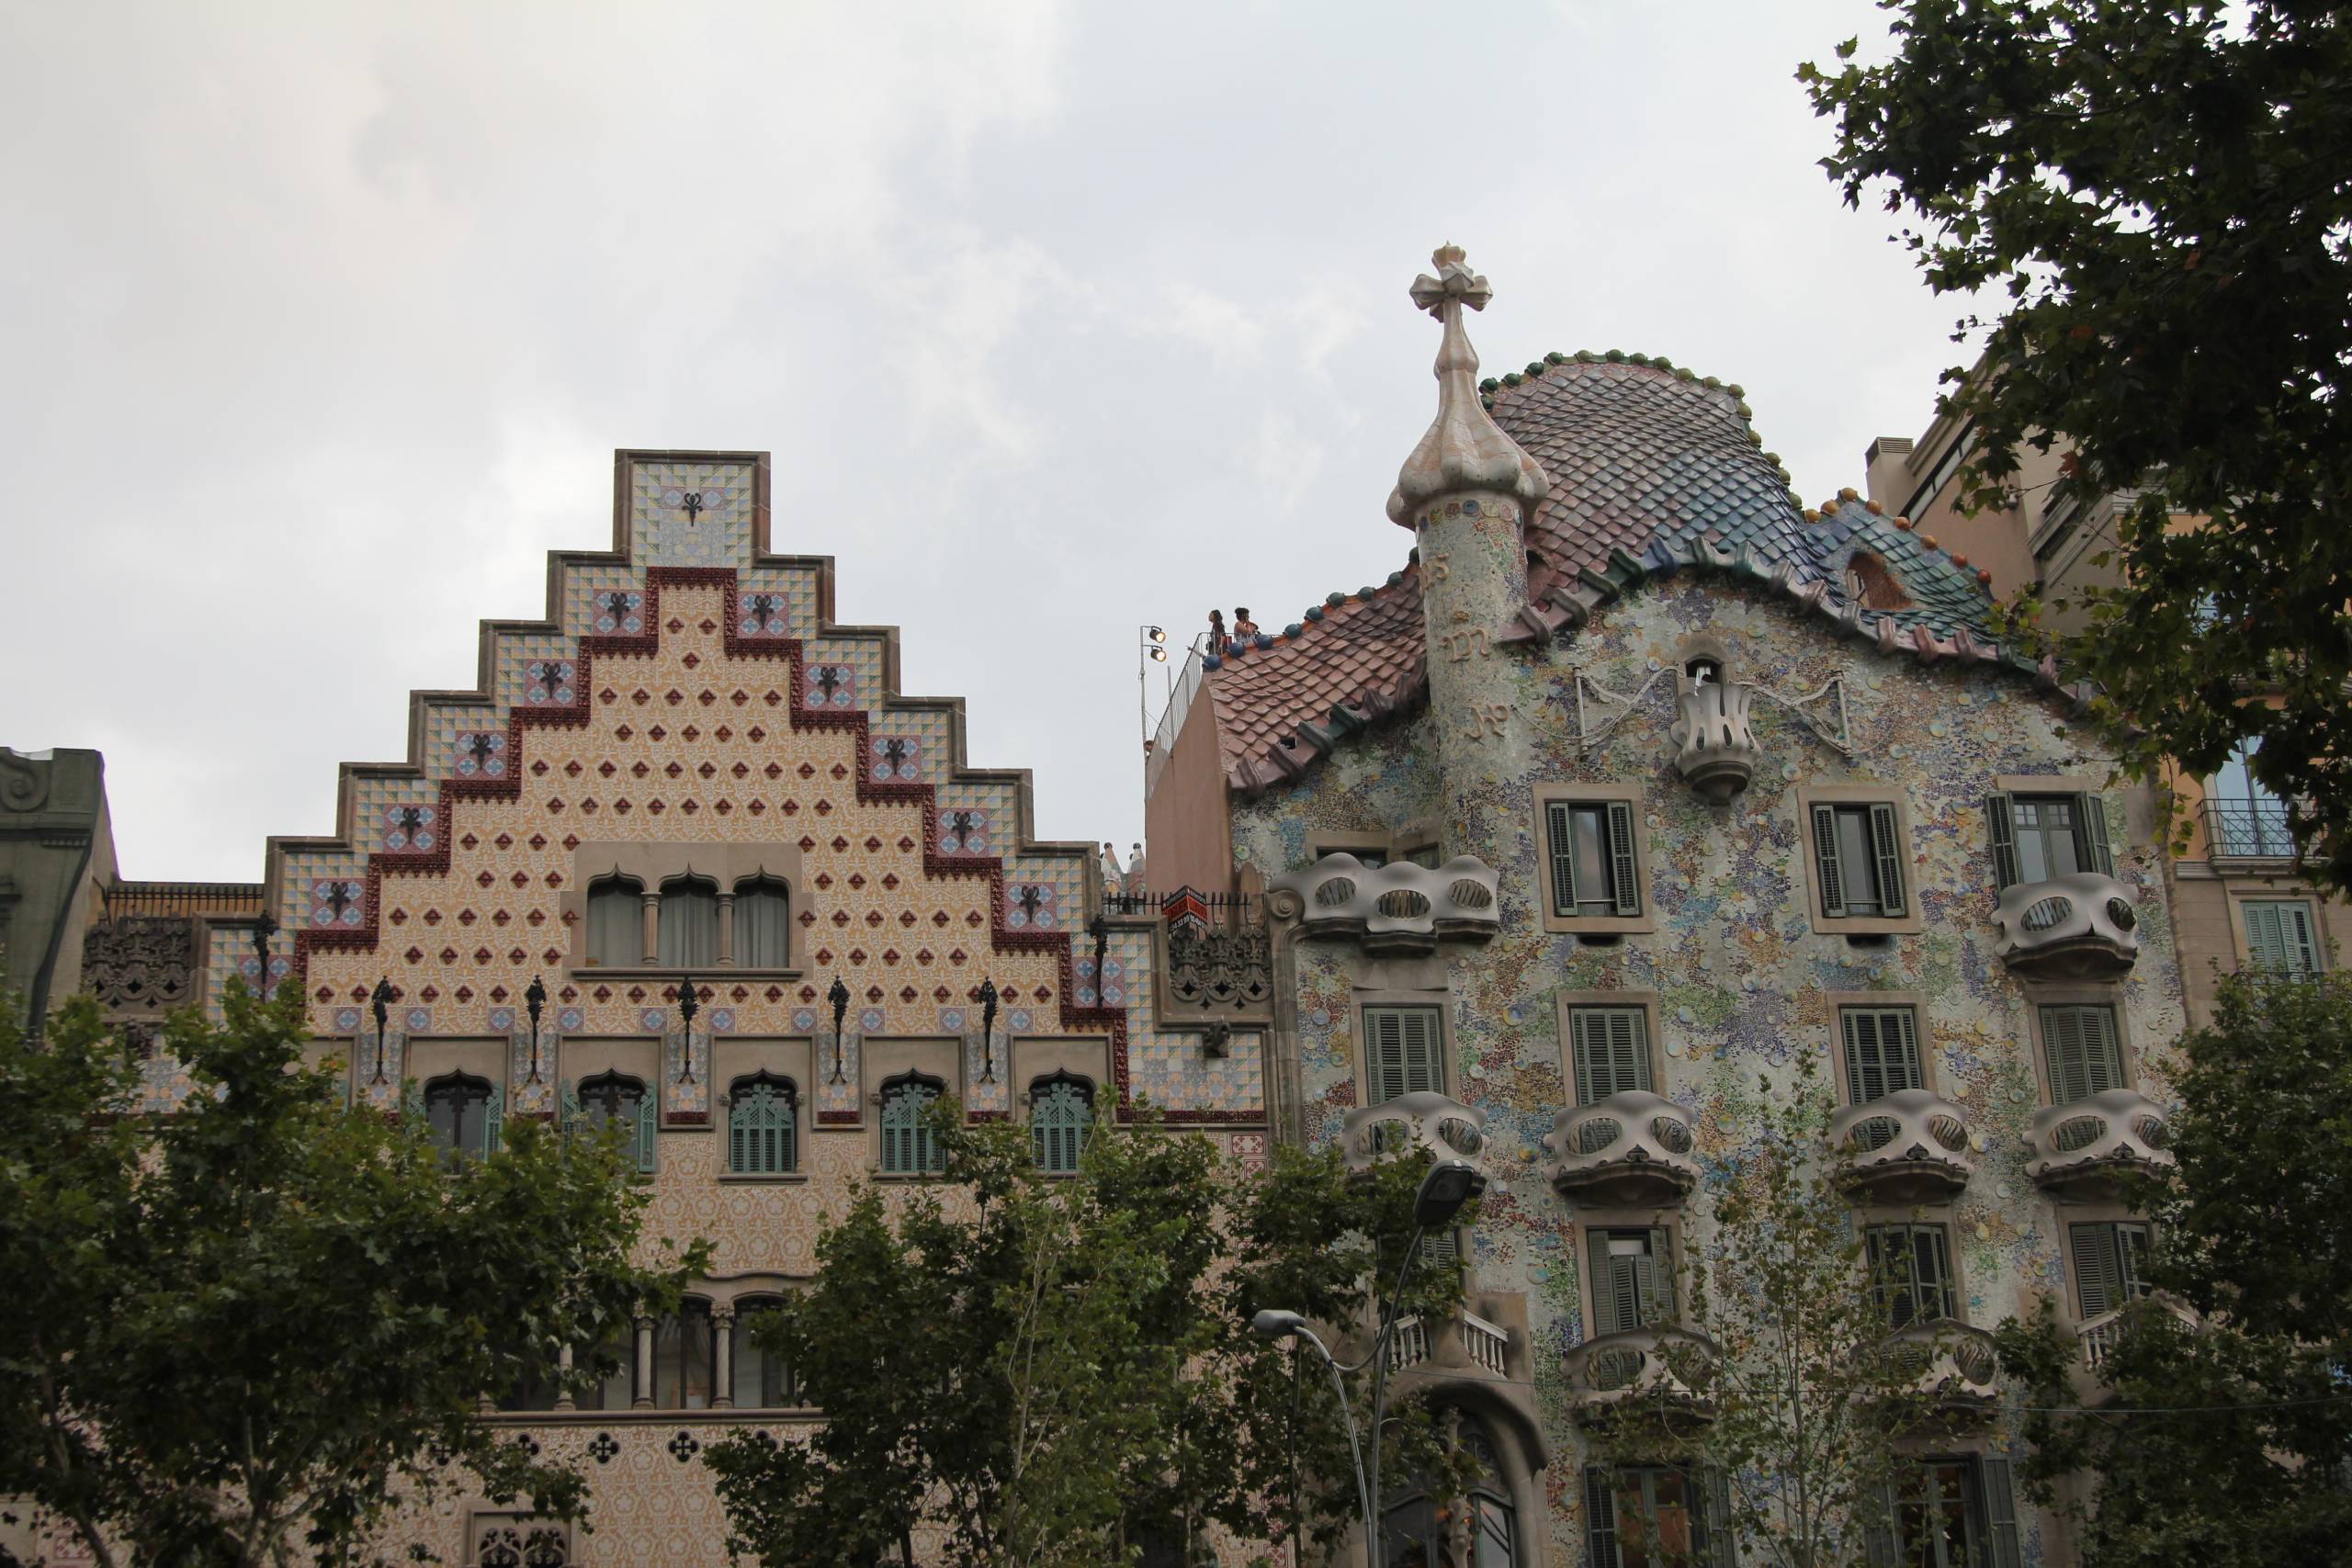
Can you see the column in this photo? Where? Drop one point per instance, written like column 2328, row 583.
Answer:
column 563, row 1400
column 652, row 928
column 722, row 1353
column 644, row 1378
column 727, row 931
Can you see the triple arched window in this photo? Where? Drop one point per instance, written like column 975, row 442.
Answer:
column 763, row 1126
column 691, row 922
column 910, row 1147
column 1061, row 1112
column 464, row 1113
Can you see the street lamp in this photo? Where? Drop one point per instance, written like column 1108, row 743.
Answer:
column 1445, row 1187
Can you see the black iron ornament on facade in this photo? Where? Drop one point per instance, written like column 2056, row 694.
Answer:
column 687, row 1007
column 987, row 1031
column 839, row 996
column 381, row 1000
column 264, row 927
column 532, row 1000
column 1099, row 928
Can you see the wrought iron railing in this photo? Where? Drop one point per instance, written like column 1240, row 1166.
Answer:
column 1152, row 903
column 2248, row 829
column 225, row 900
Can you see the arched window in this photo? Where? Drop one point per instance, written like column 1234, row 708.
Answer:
column 909, row 1145
column 684, row 1354
column 763, row 1378
column 763, row 1119
column 616, row 922
column 1062, row 1112
column 688, row 931
column 763, row 937
column 1415, row 1526
column 463, row 1112
column 614, row 1100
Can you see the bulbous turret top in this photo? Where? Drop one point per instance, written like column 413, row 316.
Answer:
column 1465, row 449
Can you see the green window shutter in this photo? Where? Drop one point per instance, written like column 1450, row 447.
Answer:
column 1581, row 1029
column 1900, row 1031
column 2106, row 1055
column 1625, row 879
column 2098, row 1268
column 1865, row 1054
column 1656, row 1278
column 1723, row 1541
column 1612, row 1050
column 1058, row 1119
column 2084, row 1056
column 493, row 1121
column 1886, row 839
column 2091, row 812
column 1825, row 860
column 574, row 1117
column 2000, row 1513
column 1402, row 1051
column 2001, row 821
column 761, row 1131
column 1559, row 825
column 2280, row 936
column 2298, row 937
column 1931, row 1266
column 1878, row 1532
column 1599, row 1518
column 1616, row 1302
column 648, row 1149
column 1422, row 1068
column 2265, row 941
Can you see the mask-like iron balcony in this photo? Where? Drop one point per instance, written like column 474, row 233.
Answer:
column 1633, row 1148
column 1911, row 1147
column 2081, row 926
column 2085, row 1144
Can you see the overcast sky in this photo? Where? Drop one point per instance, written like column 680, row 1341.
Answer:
column 319, row 325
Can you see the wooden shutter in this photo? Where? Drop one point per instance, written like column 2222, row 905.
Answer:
column 2091, row 812
column 2265, row 941
column 1886, row 839
column 1599, row 1518
column 1878, row 1531
column 1616, row 1292
column 2099, row 1271
column 1624, row 878
column 1402, row 1050
column 1825, row 860
column 1723, row 1542
column 1559, row 832
column 2000, row 1512
column 1882, row 1052
column 2001, row 821
column 648, row 1149
column 2298, row 939
column 2280, row 937
column 2084, row 1055
column 1610, row 1047
column 493, row 1121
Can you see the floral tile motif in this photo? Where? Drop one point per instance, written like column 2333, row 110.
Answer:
column 619, row 613
column 549, row 682
column 762, row 614
column 830, row 687
column 964, row 831
column 690, row 513
column 338, row 901
column 1032, row 906
column 895, row 757
column 481, row 754
column 409, row 826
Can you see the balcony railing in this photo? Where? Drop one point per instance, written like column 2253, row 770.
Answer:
column 217, row 900
column 2089, row 1141
column 1633, row 1147
column 1911, row 1147
column 2099, row 1335
column 2248, row 829
column 2076, row 927
column 1471, row 1338
column 1660, row 1366
column 1425, row 1119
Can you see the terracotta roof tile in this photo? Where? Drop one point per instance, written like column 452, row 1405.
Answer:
column 1364, row 655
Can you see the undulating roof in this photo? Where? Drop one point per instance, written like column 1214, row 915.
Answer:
column 1652, row 469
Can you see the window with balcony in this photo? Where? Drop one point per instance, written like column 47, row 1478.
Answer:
column 1061, row 1112
column 687, row 925
column 910, row 1147
column 763, row 1126
column 1858, row 853
column 1632, row 1279
column 1402, row 1052
column 2243, row 818
column 2085, row 1053
column 618, row 1101
column 2037, row 838
column 2110, row 1258
column 685, row 1351
column 1610, row 1050
column 1882, row 1052
column 463, row 1113
column 1595, row 871
column 1654, row 1516
column 616, row 922
column 1948, row 1513
column 1910, row 1269
column 763, row 1378
column 2282, row 936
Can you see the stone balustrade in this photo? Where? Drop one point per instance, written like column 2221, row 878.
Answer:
column 1426, row 1119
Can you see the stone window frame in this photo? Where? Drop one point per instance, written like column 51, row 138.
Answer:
column 1911, row 921
column 1838, row 1001
column 1439, row 1002
column 2094, row 798
column 1630, row 795
column 1647, row 1001
column 791, row 1056
column 651, row 865
column 2038, row 996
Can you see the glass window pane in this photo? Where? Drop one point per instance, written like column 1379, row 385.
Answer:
column 1858, row 861
column 1589, row 827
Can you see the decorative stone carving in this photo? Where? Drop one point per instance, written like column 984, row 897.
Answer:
column 2077, row 926
column 1660, row 1367
column 1400, row 907
column 1211, row 970
column 2086, row 1144
column 1714, row 745
column 1425, row 1119
column 1635, row 1148
column 141, row 963
column 1911, row 1147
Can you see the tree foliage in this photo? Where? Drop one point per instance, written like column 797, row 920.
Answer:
column 239, row 1332
column 1023, row 1369
column 2227, row 1443
column 1805, row 1385
column 2158, row 196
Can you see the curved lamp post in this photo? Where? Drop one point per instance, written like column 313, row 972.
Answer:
column 1445, row 1189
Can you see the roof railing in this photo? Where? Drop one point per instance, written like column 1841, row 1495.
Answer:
column 220, row 901
column 1171, row 718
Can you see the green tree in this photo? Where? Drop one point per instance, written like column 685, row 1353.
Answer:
column 2153, row 191
column 1803, row 1381
column 239, row 1333
column 2227, row 1442
column 1026, row 1369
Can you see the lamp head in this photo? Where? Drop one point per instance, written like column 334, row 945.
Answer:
column 1449, row 1184
column 535, row 999
column 1275, row 1323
